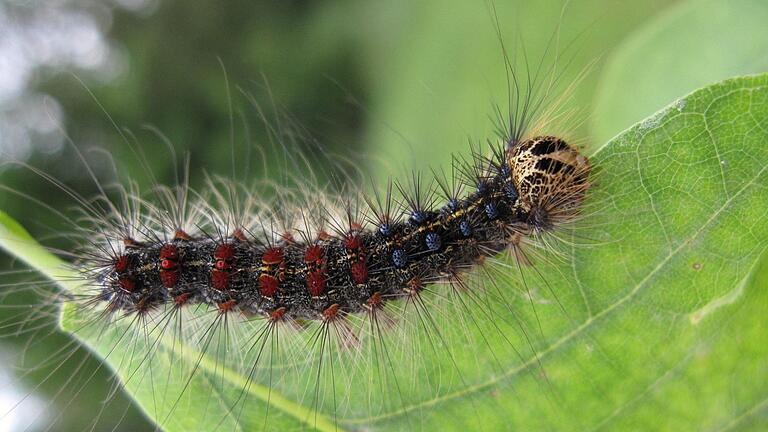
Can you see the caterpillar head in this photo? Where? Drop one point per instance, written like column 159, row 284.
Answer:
column 551, row 178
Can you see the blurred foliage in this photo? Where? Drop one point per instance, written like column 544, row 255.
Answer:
column 680, row 50
column 421, row 107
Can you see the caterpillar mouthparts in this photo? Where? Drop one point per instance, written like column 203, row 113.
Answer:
column 530, row 187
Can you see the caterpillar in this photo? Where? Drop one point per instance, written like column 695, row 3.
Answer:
column 531, row 186
column 253, row 287
column 528, row 188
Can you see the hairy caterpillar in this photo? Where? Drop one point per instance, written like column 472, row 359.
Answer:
column 146, row 276
column 536, row 184
column 532, row 186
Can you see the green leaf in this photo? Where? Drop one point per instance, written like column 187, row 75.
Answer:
column 20, row 244
column 694, row 43
column 653, row 320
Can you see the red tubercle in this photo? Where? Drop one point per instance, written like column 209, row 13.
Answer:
column 359, row 271
column 269, row 281
column 219, row 280
column 331, row 312
column 324, row 236
column 352, row 242
column 169, row 265
column 182, row 235
column 223, row 256
column 128, row 284
column 375, row 301
column 277, row 314
column 169, row 278
column 313, row 254
column 224, row 251
column 169, row 252
column 272, row 256
column 268, row 285
column 316, row 281
column 414, row 286
column 227, row 306
column 121, row 263
column 182, row 299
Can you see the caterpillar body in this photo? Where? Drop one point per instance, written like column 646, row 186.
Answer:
column 531, row 187
column 348, row 278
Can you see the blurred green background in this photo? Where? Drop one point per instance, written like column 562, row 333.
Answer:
column 401, row 84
